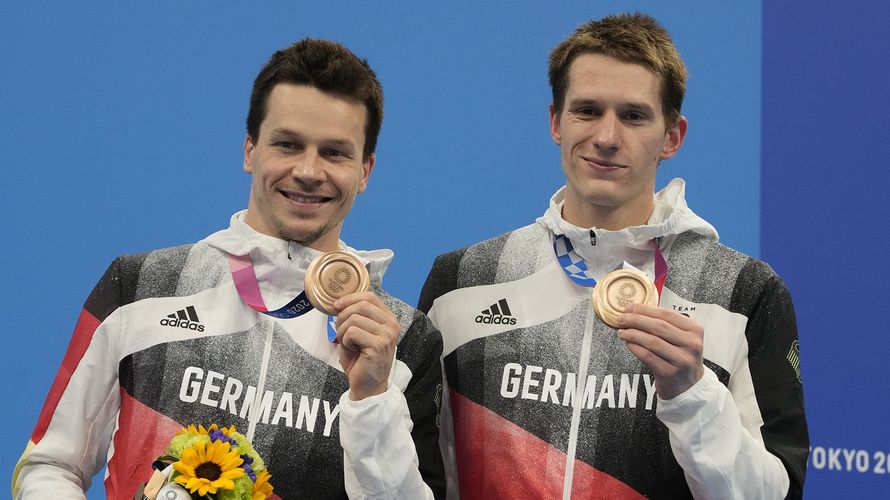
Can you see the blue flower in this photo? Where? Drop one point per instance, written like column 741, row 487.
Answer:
column 246, row 465
column 218, row 435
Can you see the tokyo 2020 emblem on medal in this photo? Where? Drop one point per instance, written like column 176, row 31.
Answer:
column 333, row 275
column 619, row 289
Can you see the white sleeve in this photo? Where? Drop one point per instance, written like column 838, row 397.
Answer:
column 75, row 442
column 379, row 458
column 49, row 481
column 719, row 456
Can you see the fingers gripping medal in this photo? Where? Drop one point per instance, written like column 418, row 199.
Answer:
column 333, row 275
column 620, row 288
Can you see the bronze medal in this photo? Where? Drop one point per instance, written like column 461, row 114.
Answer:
column 619, row 289
column 331, row 276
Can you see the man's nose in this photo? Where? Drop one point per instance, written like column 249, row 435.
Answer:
column 308, row 167
column 607, row 136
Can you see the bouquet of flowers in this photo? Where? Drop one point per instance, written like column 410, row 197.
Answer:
column 213, row 463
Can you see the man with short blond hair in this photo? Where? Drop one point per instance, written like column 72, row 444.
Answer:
column 557, row 392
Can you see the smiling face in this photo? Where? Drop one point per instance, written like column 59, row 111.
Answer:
column 612, row 135
column 307, row 165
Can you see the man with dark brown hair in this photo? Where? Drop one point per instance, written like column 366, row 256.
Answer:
column 183, row 335
column 614, row 349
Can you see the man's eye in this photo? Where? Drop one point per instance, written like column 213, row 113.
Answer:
column 635, row 117
column 587, row 112
column 290, row 146
column 332, row 152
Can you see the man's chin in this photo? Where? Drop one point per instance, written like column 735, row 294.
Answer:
column 307, row 237
column 602, row 194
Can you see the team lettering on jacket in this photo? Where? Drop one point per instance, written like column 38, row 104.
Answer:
column 229, row 394
column 547, row 385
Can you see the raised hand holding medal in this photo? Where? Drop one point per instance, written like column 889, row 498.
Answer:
column 337, row 283
column 670, row 344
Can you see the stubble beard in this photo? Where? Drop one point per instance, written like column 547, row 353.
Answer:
column 302, row 237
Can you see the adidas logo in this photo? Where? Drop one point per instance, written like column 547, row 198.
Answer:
column 184, row 318
column 497, row 314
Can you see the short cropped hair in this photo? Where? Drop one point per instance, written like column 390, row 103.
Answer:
column 327, row 66
column 634, row 38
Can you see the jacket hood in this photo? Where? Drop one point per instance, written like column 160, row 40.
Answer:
column 280, row 265
column 670, row 217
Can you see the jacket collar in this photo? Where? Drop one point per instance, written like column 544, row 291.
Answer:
column 605, row 250
column 282, row 264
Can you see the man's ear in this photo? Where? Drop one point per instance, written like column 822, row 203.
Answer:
column 367, row 166
column 248, row 150
column 675, row 135
column 554, row 125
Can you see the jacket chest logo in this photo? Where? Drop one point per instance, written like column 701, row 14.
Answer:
column 497, row 314
column 183, row 318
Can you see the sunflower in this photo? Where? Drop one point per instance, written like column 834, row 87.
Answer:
column 199, row 430
column 206, row 468
column 261, row 488
column 191, row 429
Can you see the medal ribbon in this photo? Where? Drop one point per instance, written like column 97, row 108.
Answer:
column 249, row 290
column 577, row 270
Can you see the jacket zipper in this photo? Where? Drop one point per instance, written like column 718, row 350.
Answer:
column 254, row 415
column 578, row 402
